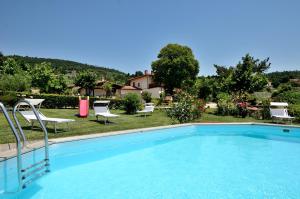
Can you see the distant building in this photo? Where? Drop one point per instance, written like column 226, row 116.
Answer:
column 128, row 89
column 136, row 85
column 99, row 91
column 117, row 90
column 146, row 83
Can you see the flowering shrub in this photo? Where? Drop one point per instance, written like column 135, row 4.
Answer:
column 242, row 109
column 186, row 109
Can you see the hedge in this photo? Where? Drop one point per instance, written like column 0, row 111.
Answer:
column 55, row 101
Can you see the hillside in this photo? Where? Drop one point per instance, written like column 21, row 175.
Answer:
column 66, row 66
column 283, row 77
column 289, row 74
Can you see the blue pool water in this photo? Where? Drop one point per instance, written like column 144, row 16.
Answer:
column 200, row 161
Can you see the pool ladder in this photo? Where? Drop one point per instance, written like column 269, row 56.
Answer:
column 28, row 174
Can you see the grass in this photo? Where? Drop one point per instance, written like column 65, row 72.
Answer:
column 90, row 125
column 83, row 126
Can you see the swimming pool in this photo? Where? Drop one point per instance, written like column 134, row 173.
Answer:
column 197, row 161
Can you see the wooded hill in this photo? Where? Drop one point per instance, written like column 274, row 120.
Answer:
column 66, row 66
column 283, row 77
column 284, row 74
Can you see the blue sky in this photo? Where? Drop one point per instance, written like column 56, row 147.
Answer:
column 128, row 34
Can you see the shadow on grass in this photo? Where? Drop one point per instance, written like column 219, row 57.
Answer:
column 143, row 116
column 49, row 129
column 102, row 122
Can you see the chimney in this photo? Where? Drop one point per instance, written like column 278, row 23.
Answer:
column 146, row 72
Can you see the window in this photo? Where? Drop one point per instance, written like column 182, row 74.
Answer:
column 139, row 85
column 133, row 84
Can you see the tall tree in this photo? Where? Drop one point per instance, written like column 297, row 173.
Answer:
column 107, row 86
column 138, row 73
column 248, row 75
column 175, row 65
column 43, row 77
column 1, row 58
column 57, row 84
column 86, row 80
column 204, row 86
column 12, row 77
column 10, row 67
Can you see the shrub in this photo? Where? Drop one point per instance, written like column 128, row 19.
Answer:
column 262, row 96
column 226, row 106
column 116, row 104
column 161, row 99
column 186, row 109
column 292, row 97
column 131, row 103
column 242, row 109
column 17, row 82
column 265, row 111
column 9, row 98
column 146, row 96
column 294, row 110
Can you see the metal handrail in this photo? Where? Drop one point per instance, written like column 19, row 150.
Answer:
column 22, row 172
column 18, row 143
column 15, row 110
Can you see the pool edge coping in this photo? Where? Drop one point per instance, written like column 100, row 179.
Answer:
column 141, row 130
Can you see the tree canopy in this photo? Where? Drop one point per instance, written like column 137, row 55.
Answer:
column 107, row 86
column 278, row 78
column 87, row 80
column 1, row 58
column 66, row 66
column 175, row 65
column 247, row 76
column 138, row 73
column 9, row 66
column 12, row 77
column 43, row 77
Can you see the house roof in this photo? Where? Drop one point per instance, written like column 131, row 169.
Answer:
column 139, row 77
column 99, row 84
column 130, row 88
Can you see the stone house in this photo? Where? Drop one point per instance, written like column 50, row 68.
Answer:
column 146, row 83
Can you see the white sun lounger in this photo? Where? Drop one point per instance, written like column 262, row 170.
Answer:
column 278, row 110
column 35, row 102
column 30, row 117
column 147, row 109
column 101, row 109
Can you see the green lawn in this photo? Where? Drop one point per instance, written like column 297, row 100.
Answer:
column 84, row 125
column 90, row 125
